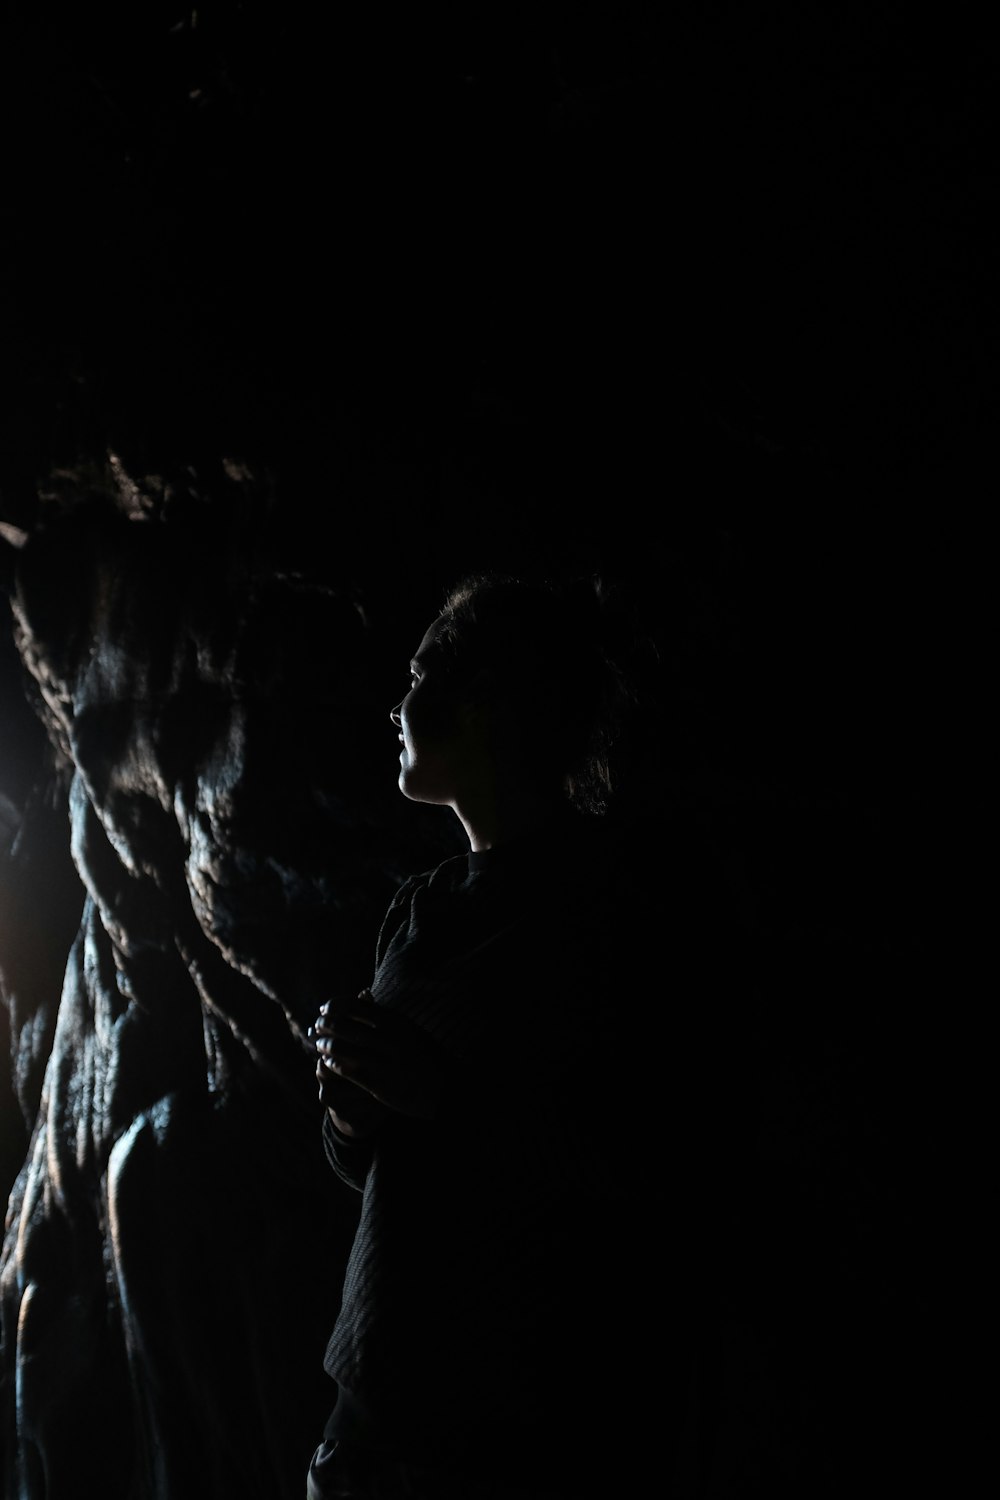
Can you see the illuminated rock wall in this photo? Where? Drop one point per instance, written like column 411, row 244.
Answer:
column 221, row 782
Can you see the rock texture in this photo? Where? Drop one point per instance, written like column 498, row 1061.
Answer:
column 223, row 796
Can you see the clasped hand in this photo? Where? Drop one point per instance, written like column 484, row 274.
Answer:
column 372, row 1061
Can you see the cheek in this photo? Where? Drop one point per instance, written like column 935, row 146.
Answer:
column 432, row 718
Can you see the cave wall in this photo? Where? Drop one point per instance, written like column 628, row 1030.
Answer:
column 169, row 1253
column 305, row 326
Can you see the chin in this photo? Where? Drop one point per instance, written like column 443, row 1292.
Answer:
column 409, row 785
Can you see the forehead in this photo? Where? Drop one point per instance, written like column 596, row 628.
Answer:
column 430, row 648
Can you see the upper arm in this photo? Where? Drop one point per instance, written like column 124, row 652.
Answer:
column 396, row 914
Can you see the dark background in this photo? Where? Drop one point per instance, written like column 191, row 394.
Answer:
column 699, row 298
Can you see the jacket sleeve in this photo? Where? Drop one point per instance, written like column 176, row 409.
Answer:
column 350, row 1159
column 396, row 915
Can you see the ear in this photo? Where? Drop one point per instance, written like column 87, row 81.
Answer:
column 480, row 697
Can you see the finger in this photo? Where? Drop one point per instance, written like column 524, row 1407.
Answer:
column 328, row 1031
column 322, row 1078
column 335, row 1087
column 345, row 1064
column 368, row 1014
column 346, row 1031
column 337, row 1004
column 364, row 1066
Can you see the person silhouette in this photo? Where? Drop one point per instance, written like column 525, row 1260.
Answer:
column 491, row 1093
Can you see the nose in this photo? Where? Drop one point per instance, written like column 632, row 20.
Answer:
column 394, row 715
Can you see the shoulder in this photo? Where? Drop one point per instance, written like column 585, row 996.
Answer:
column 440, row 878
column 449, row 873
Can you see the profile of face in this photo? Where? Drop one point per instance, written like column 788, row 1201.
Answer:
column 441, row 735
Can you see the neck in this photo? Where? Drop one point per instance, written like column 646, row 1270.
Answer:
column 498, row 819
